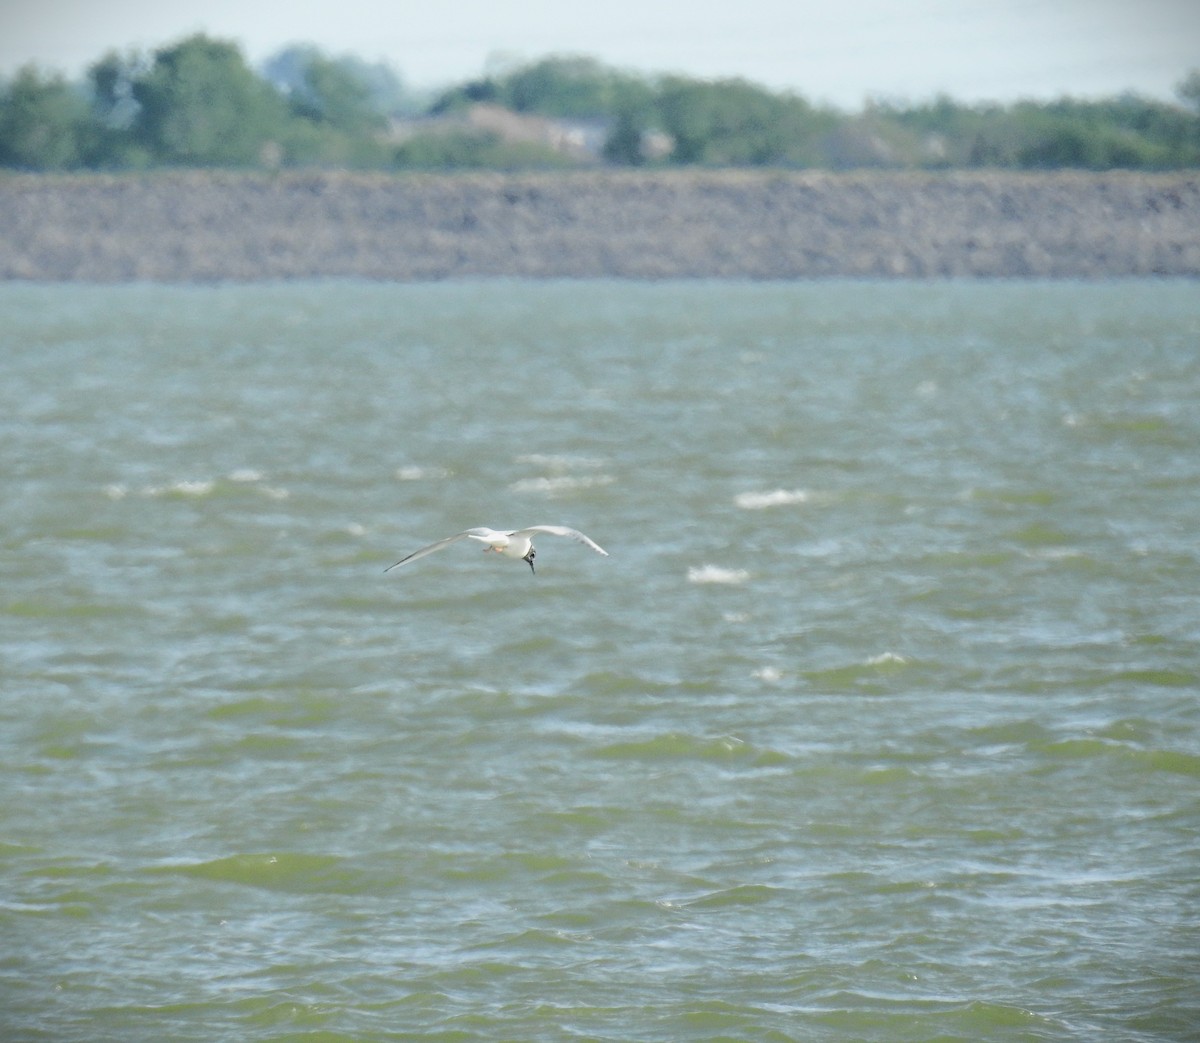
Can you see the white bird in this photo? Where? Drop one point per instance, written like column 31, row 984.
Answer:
column 514, row 543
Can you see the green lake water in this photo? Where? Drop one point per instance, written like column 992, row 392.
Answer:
column 881, row 721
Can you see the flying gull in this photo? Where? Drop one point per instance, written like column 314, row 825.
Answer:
column 512, row 543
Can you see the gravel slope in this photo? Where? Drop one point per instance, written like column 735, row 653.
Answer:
column 185, row 226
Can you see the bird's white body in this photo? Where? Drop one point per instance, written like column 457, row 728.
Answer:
column 512, row 543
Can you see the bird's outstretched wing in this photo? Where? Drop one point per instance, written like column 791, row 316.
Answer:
column 562, row 530
column 437, row 546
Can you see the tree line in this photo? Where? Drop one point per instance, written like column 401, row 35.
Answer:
column 198, row 103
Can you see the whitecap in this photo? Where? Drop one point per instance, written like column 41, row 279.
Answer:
column 885, row 658
column 776, row 498
column 559, row 461
column 182, row 488
column 246, row 474
column 1053, row 553
column 770, row 674
column 560, row 484
column 197, row 488
column 716, row 574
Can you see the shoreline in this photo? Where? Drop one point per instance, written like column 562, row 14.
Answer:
column 178, row 226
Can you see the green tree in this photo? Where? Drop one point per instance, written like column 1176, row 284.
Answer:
column 1189, row 91
column 335, row 120
column 43, row 123
column 331, row 92
column 470, row 93
column 623, row 145
column 111, row 80
column 113, row 112
column 736, row 123
column 377, row 89
column 201, row 105
column 563, row 86
column 1125, row 132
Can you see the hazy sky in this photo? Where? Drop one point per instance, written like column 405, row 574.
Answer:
column 838, row 51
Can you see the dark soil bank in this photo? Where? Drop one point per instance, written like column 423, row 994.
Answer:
column 189, row 226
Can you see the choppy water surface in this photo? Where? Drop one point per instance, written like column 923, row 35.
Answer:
column 879, row 723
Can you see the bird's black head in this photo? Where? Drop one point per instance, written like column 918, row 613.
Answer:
column 529, row 558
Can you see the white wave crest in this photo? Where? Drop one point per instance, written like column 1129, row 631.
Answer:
column 560, row 484
column 560, row 461
column 775, row 498
column 182, row 488
column 716, row 574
